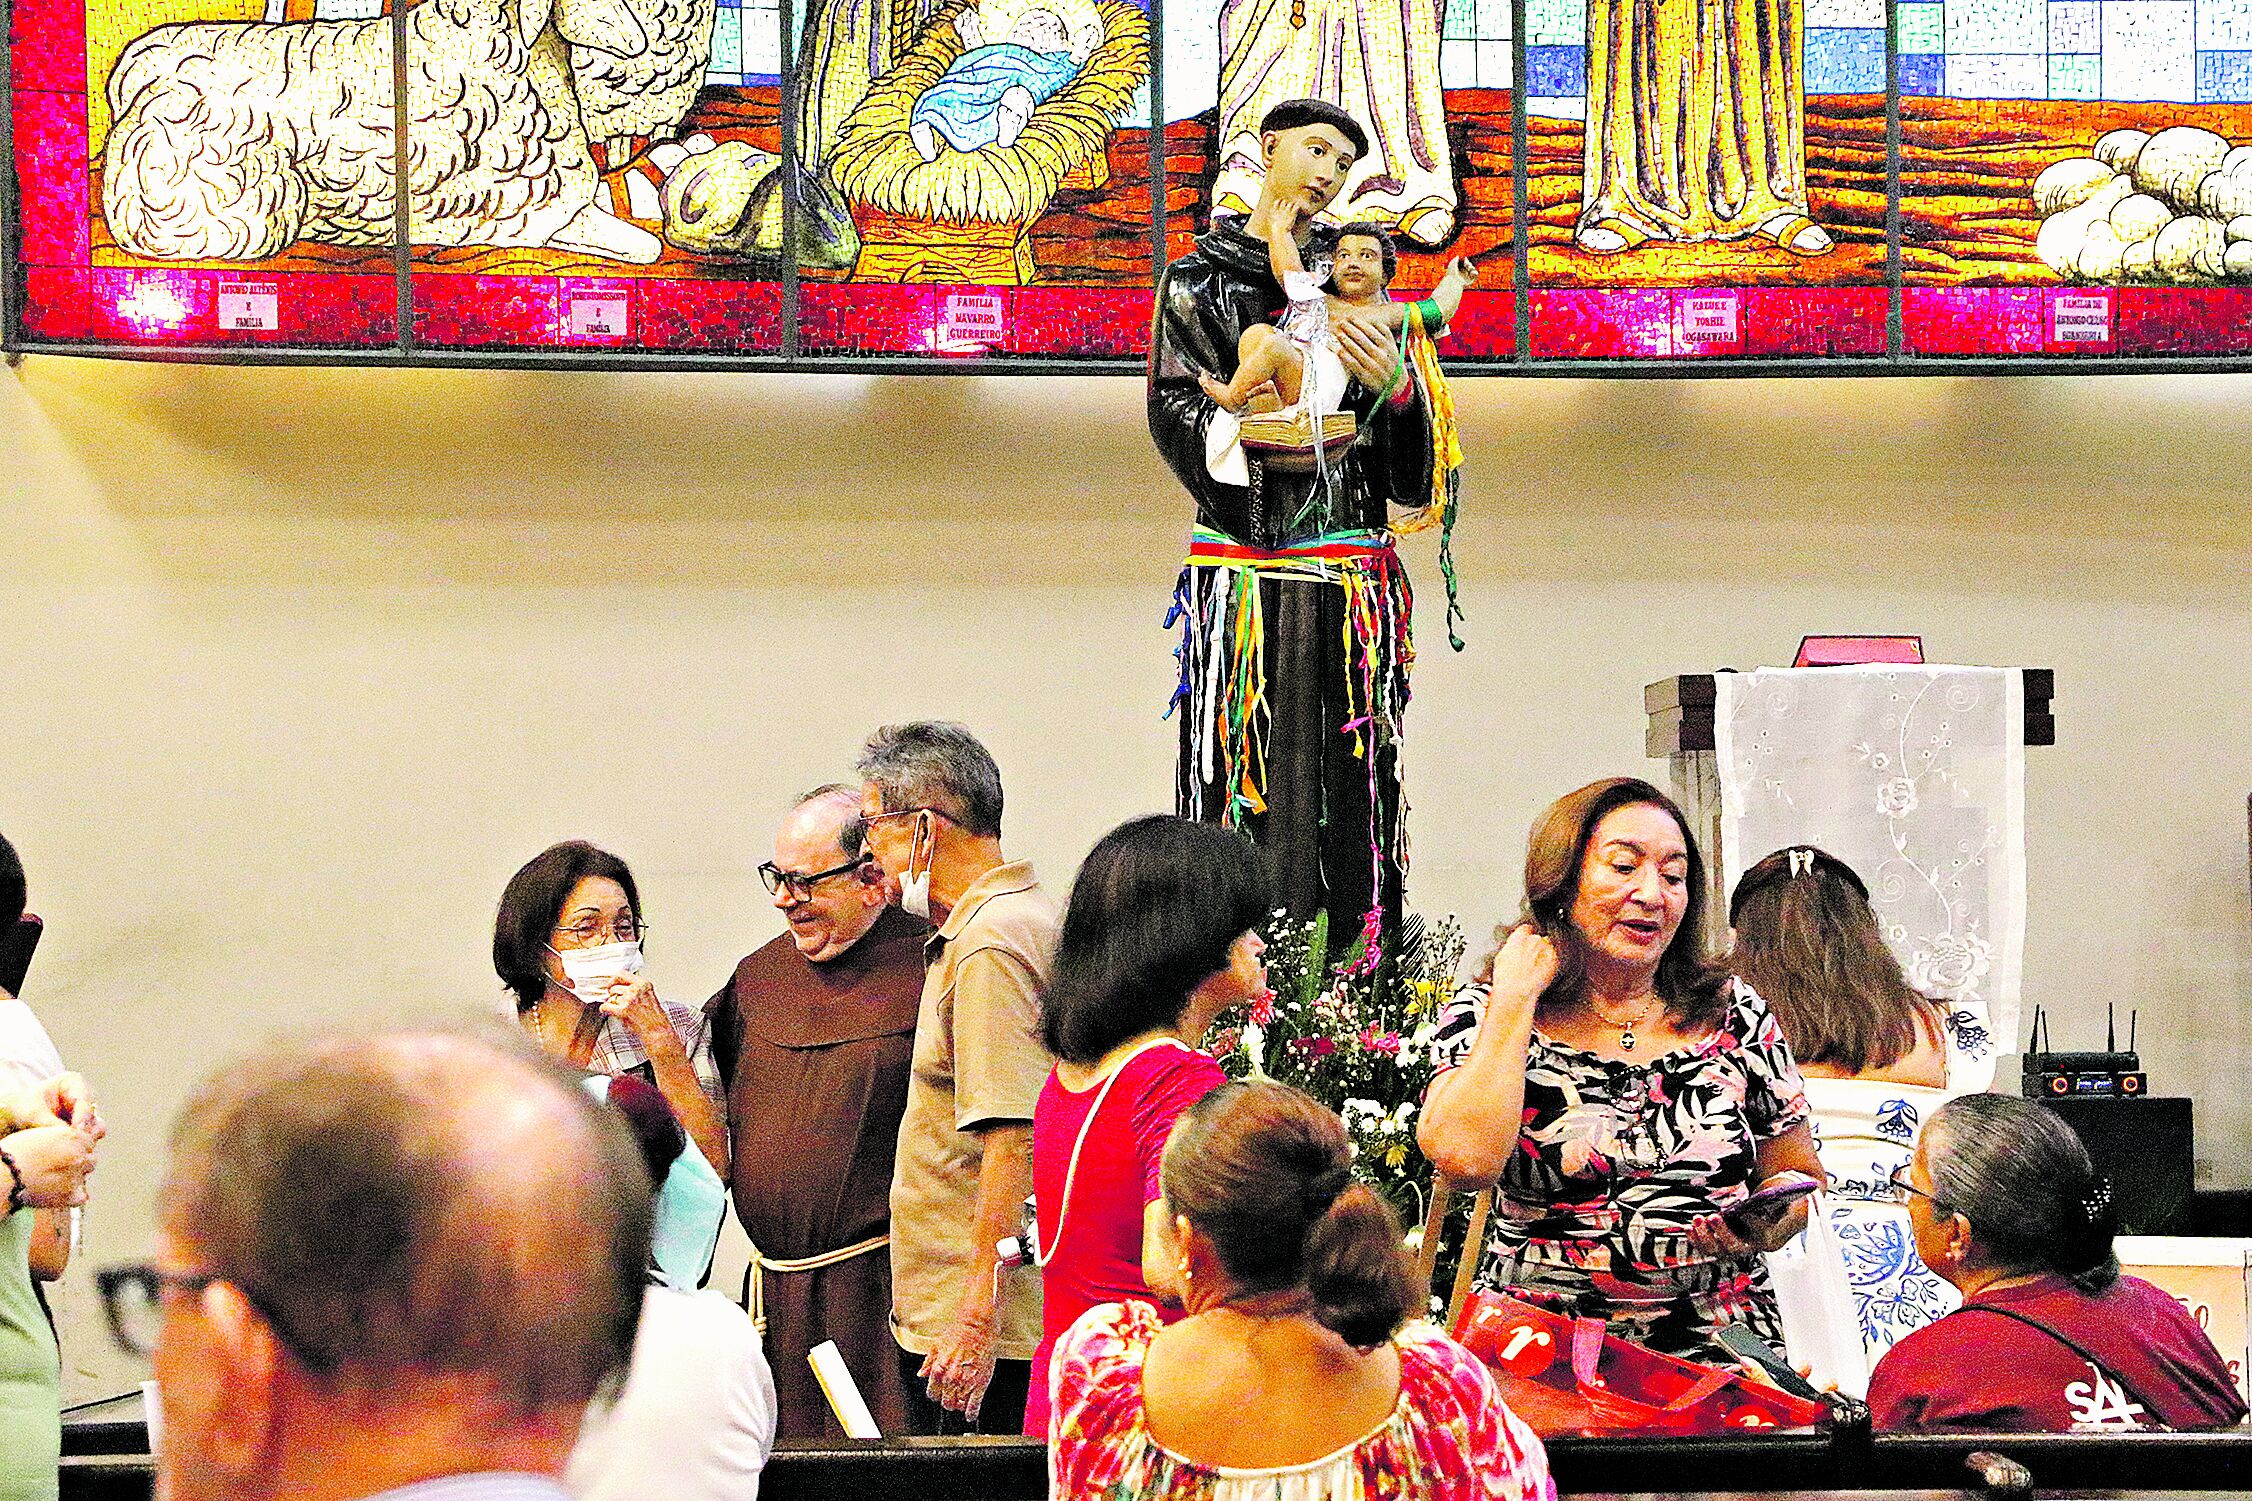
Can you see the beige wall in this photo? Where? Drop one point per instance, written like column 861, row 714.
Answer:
column 303, row 664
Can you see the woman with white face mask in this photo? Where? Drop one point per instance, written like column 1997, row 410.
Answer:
column 567, row 942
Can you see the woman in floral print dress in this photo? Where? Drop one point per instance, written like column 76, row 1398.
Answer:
column 1295, row 1376
column 1622, row 1088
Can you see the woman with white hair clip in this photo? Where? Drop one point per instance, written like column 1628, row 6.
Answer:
column 2051, row 1338
column 1878, row 1057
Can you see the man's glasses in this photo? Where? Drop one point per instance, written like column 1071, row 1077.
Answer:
column 133, row 1302
column 589, row 931
column 870, row 820
column 801, row 887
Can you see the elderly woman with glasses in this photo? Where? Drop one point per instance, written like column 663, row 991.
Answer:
column 2051, row 1338
column 568, row 943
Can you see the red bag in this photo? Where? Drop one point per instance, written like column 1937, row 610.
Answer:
column 1566, row 1375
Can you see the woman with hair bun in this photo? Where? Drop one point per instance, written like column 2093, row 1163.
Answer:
column 2006, row 1206
column 1296, row 1373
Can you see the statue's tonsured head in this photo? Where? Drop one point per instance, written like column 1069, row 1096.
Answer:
column 1309, row 145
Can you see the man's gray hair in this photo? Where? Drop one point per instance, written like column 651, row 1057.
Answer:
column 414, row 1203
column 934, row 763
column 852, row 834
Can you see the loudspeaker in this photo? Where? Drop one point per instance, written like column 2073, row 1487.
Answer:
column 2147, row 1147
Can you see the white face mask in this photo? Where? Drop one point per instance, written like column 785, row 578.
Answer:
column 914, row 887
column 590, row 971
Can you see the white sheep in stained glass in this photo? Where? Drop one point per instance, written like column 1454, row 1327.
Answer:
column 628, row 96
column 233, row 139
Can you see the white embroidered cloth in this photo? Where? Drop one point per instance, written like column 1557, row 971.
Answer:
column 1915, row 777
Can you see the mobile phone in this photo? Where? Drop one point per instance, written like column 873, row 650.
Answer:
column 1769, row 1200
column 16, row 948
column 1741, row 1342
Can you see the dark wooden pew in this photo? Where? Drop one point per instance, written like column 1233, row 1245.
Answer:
column 106, row 1458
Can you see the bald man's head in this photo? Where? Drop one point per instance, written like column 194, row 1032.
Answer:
column 420, row 1203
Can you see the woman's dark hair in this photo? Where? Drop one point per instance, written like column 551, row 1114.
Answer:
column 2017, row 1172
column 1808, row 943
column 532, row 903
column 1266, row 1175
column 1693, row 986
column 1156, row 906
column 14, row 894
column 656, row 1130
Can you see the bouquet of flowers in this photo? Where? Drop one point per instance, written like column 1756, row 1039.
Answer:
column 1353, row 1028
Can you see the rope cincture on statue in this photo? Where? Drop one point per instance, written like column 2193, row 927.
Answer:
column 754, row 1275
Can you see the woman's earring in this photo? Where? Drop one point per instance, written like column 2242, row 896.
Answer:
column 1188, row 1277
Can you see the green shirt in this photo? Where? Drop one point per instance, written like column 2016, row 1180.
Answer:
column 30, row 1375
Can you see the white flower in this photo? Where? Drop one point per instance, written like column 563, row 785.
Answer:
column 1952, row 967
column 1254, row 1046
column 1897, row 798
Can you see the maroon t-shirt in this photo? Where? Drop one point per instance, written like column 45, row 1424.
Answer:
column 1984, row 1372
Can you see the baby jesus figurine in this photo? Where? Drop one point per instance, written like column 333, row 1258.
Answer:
column 1277, row 367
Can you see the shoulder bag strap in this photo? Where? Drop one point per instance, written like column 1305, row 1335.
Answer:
column 2074, row 1346
column 1071, row 1170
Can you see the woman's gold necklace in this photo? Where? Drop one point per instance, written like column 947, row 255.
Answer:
column 1626, row 1028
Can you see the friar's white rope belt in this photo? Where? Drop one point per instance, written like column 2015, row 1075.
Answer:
column 754, row 1275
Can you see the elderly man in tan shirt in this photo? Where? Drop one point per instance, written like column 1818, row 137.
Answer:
column 967, row 1326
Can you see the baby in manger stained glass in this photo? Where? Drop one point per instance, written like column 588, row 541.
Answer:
column 1014, row 59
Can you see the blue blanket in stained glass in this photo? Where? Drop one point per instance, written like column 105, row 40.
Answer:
column 964, row 105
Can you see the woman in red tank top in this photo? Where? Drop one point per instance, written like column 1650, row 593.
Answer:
column 1157, row 940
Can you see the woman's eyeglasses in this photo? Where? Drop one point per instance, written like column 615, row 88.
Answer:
column 801, row 886
column 1899, row 1189
column 589, row 931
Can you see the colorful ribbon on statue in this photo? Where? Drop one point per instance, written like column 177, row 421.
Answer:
column 1419, row 350
column 1222, row 657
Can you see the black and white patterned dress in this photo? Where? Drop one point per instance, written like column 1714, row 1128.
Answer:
column 1613, row 1161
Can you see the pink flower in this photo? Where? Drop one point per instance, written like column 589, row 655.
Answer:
column 1262, row 1008
column 1380, row 1042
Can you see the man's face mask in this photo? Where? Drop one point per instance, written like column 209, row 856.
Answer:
column 915, row 880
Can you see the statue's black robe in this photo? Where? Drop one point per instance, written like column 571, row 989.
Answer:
column 1318, row 822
